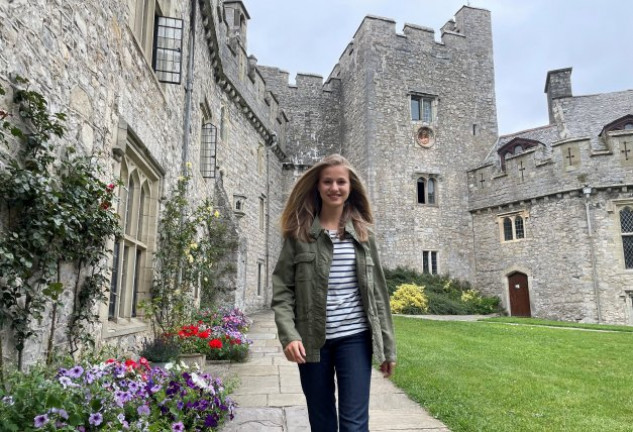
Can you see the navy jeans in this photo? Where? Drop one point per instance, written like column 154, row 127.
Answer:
column 348, row 357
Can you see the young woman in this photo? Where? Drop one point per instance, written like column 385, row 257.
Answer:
column 330, row 296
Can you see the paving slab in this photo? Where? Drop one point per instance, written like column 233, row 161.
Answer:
column 270, row 399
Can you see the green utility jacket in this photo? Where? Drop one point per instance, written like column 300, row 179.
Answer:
column 300, row 283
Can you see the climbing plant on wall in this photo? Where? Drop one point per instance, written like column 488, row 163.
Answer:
column 192, row 246
column 55, row 211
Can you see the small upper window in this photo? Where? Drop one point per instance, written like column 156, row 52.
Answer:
column 626, row 230
column 512, row 227
column 422, row 108
column 426, row 190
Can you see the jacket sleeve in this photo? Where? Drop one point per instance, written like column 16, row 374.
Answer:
column 382, row 303
column 283, row 302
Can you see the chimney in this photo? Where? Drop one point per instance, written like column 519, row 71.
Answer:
column 236, row 18
column 557, row 85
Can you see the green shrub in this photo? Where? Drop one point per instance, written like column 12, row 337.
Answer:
column 445, row 296
column 409, row 299
column 440, row 304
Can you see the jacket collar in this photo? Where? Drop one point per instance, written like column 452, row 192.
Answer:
column 316, row 229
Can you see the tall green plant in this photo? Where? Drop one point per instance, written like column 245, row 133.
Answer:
column 193, row 242
column 56, row 212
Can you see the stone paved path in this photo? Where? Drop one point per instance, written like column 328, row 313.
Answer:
column 270, row 397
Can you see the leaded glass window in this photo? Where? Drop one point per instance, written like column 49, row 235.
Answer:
column 168, row 49
column 626, row 228
column 207, row 150
column 507, row 229
column 137, row 207
column 518, row 227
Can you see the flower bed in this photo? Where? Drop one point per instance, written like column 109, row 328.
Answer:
column 217, row 334
column 114, row 396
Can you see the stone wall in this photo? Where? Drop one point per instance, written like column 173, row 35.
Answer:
column 89, row 62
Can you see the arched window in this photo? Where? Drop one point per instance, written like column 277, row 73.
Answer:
column 207, row 150
column 518, row 150
column 512, row 226
column 421, row 190
column 507, row 229
column 137, row 208
column 518, row 227
column 626, row 229
column 426, row 190
column 430, row 191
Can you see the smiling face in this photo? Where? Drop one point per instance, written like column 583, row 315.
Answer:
column 334, row 186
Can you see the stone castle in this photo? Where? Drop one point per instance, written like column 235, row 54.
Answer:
column 542, row 218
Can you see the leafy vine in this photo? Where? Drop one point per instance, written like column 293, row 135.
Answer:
column 56, row 211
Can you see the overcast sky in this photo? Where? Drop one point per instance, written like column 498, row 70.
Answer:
column 530, row 37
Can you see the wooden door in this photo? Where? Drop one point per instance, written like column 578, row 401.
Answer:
column 519, row 295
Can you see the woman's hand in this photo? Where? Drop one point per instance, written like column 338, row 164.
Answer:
column 295, row 352
column 387, row 368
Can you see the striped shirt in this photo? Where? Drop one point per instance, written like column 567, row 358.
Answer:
column 345, row 313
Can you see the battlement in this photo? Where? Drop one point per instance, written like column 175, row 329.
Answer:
column 566, row 165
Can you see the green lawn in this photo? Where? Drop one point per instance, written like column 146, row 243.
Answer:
column 543, row 322
column 482, row 376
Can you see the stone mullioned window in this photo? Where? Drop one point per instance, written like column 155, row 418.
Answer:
column 626, row 230
column 512, row 226
column 133, row 252
column 429, row 262
column 427, row 190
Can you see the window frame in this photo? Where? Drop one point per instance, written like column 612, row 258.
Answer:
column 425, row 180
column 512, row 226
column 422, row 108
column 138, row 207
column 430, row 262
column 208, row 148
column 627, row 259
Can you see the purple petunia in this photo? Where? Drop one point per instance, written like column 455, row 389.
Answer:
column 95, row 419
column 177, row 427
column 75, row 372
column 143, row 410
column 40, row 420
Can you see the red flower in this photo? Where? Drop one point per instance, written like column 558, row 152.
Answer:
column 110, row 361
column 215, row 343
column 130, row 364
column 205, row 334
column 236, row 342
column 105, row 205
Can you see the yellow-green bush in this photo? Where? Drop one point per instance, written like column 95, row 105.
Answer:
column 409, row 299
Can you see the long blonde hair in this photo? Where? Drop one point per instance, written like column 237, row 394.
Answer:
column 304, row 203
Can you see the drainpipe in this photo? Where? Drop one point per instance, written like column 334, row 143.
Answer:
column 586, row 190
column 267, row 221
column 189, row 89
column 187, row 120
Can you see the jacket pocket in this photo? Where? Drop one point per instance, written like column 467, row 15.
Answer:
column 304, row 266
